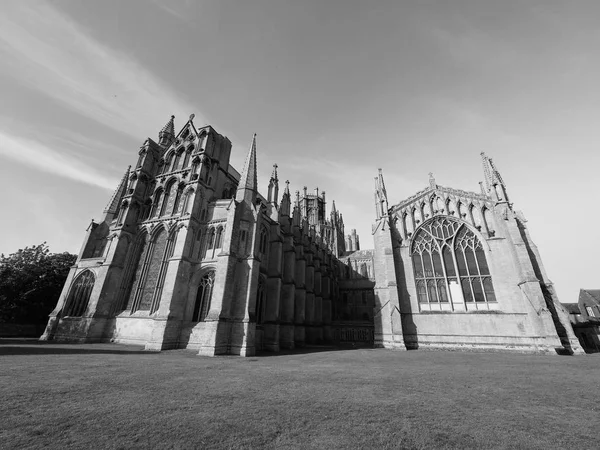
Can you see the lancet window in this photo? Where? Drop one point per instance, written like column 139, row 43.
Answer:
column 203, row 297
column 260, row 302
column 447, row 253
column 79, row 296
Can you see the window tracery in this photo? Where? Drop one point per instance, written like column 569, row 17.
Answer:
column 203, row 297
column 79, row 297
column 447, row 252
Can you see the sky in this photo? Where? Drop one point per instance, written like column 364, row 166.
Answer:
column 334, row 89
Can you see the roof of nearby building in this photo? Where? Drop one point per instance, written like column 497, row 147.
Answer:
column 573, row 308
column 359, row 254
column 593, row 294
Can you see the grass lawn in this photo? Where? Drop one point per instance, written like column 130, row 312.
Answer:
column 113, row 396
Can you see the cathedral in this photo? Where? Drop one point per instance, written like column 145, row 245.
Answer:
column 189, row 254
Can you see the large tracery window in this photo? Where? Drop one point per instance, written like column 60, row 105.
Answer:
column 79, row 296
column 447, row 253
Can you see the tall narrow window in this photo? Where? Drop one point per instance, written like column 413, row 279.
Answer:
column 445, row 250
column 203, row 297
column 79, row 295
column 167, row 195
column 260, row 301
column 177, row 200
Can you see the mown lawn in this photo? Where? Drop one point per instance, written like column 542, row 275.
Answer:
column 110, row 396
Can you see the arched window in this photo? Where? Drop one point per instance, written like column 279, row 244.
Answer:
column 187, row 204
column 156, row 203
column 121, row 212
column 79, row 296
column 186, row 159
column 177, row 199
column 264, row 238
column 176, row 160
column 198, row 245
column 203, row 297
column 168, row 193
column 446, row 252
column 168, row 162
column 260, row 302
column 219, row 238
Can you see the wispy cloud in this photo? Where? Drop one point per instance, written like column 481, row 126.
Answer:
column 179, row 10
column 47, row 51
column 41, row 157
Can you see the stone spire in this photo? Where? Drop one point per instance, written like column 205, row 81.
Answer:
column 493, row 180
column 115, row 200
column 248, row 186
column 167, row 134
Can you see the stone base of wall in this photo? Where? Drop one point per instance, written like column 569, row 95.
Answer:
column 532, row 344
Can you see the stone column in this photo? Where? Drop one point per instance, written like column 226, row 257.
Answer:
column 300, row 299
column 311, row 336
column 273, row 297
column 288, row 291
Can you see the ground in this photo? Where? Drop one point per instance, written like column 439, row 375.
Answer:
column 114, row 396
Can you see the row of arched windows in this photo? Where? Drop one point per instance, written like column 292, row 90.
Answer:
column 449, row 260
column 177, row 160
column 172, row 200
column 208, row 242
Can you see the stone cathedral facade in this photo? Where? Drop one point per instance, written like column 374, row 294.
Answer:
column 189, row 254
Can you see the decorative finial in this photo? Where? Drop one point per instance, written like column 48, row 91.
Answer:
column 192, row 116
column 431, row 180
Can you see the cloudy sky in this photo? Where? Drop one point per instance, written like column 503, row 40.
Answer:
column 334, row 89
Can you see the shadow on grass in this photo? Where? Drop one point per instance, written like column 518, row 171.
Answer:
column 35, row 347
column 312, row 349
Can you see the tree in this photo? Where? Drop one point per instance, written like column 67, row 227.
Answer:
column 30, row 283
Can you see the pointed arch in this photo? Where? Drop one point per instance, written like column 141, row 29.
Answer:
column 162, row 270
column 79, row 294
column 204, row 297
column 259, row 310
column 168, row 193
column 148, row 270
column 168, row 160
column 187, row 204
column 176, row 159
column 157, row 202
column 177, row 200
column 447, row 252
column 136, row 249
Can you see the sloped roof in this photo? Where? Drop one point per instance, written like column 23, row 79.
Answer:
column 572, row 308
column 587, row 294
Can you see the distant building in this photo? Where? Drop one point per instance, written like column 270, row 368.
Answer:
column 585, row 318
column 189, row 254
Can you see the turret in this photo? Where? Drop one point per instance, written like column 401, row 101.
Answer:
column 166, row 136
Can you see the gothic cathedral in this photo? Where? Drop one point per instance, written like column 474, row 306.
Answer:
column 190, row 255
